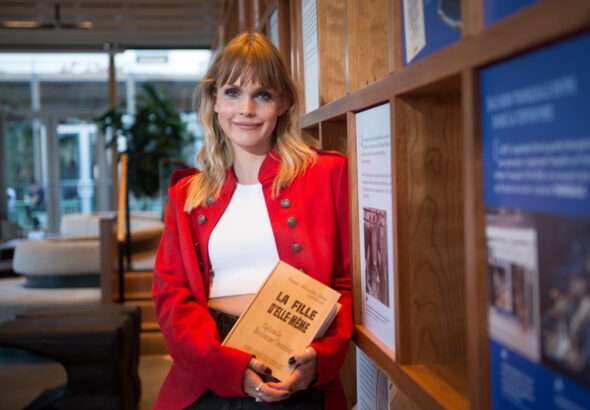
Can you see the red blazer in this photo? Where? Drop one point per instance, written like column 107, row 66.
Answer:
column 310, row 222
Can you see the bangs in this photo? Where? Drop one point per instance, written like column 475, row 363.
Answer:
column 252, row 63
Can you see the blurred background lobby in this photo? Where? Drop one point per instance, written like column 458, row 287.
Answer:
column 80, row 83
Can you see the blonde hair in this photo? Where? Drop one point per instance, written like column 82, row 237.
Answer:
column 250, row 58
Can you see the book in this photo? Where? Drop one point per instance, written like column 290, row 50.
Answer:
column 287, row 313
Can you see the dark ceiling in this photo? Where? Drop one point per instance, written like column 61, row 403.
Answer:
column 124, row 23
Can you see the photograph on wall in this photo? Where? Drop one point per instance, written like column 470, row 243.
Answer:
column 513, row 282
column 376, row 219
column 565, row 295
column 375, row 230
column 429, row 25
column 536, row 168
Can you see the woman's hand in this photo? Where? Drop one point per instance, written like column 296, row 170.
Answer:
column 255, row 386
column 305, row 364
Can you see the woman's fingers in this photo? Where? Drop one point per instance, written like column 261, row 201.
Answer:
column 259, row 367
column 251, row 381
column 309, row 354
column 270, row 394
column 255, row 387
column 304, row 364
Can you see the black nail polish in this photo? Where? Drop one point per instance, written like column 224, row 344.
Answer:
column 291, row 360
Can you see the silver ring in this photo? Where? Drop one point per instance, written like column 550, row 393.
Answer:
column 258, row 387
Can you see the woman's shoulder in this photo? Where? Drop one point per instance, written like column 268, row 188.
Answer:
column 329, row 160
column 182, row 174
column 180, row 180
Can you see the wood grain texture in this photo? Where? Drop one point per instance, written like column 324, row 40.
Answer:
column 296, row 55
column 472, row 17
column 368, row 49
column 422, row 385
column 446, row 395
column 284, row 17
column 397, row 286
column 355, row 256
column 231, row 26
column 476, row 283
column 246, row 15
column 397, row 40
column 401, row 401
column 333, row 135
column 261, row 11
column 430, row 231
column 348, row 375
column 311, row 135
column 331, row 42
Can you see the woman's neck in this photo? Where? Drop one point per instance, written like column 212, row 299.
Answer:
column 246, row 166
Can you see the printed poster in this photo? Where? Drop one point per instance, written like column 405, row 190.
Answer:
column 374, row 390
column 429, row 25
column 374, row 184
column 311, row 65
column 536, row 141
column 274, row 28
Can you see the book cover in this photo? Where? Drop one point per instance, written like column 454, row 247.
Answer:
column 288, row 312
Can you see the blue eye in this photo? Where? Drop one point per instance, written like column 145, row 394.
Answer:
column 264, row 95
column 232, row 92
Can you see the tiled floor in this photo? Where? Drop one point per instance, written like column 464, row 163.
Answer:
column 24, row 376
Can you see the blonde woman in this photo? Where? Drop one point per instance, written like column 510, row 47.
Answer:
column 262, row 195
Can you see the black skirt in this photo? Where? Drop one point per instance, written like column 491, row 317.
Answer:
column 310, row 399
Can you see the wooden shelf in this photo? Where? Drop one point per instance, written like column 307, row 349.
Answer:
column 370, row 42
column 500, row 41
column 436, row 385
column 429, row 387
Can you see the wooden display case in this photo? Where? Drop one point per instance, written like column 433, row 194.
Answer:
column 441, row 357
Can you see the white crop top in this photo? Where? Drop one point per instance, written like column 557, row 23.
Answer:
column 242, row 246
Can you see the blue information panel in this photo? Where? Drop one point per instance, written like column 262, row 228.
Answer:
column 429, row 25
column 496, row 10
column 536, row 156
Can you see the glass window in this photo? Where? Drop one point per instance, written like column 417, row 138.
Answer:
column 173, row 74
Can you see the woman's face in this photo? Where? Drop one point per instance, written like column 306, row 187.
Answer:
column 247, row 114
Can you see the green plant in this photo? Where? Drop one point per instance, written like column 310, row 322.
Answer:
column 155, row 133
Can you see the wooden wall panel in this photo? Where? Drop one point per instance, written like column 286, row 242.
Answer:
column 246, row 15
column 472, row 17
column 348, row 375
column 333, row 135
column 284, row 10
column 430, row 234
column 231, row 22
column 332, row 45
column 369, row 50
column 296, row 56
column 311, row 135
column 476, row 276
